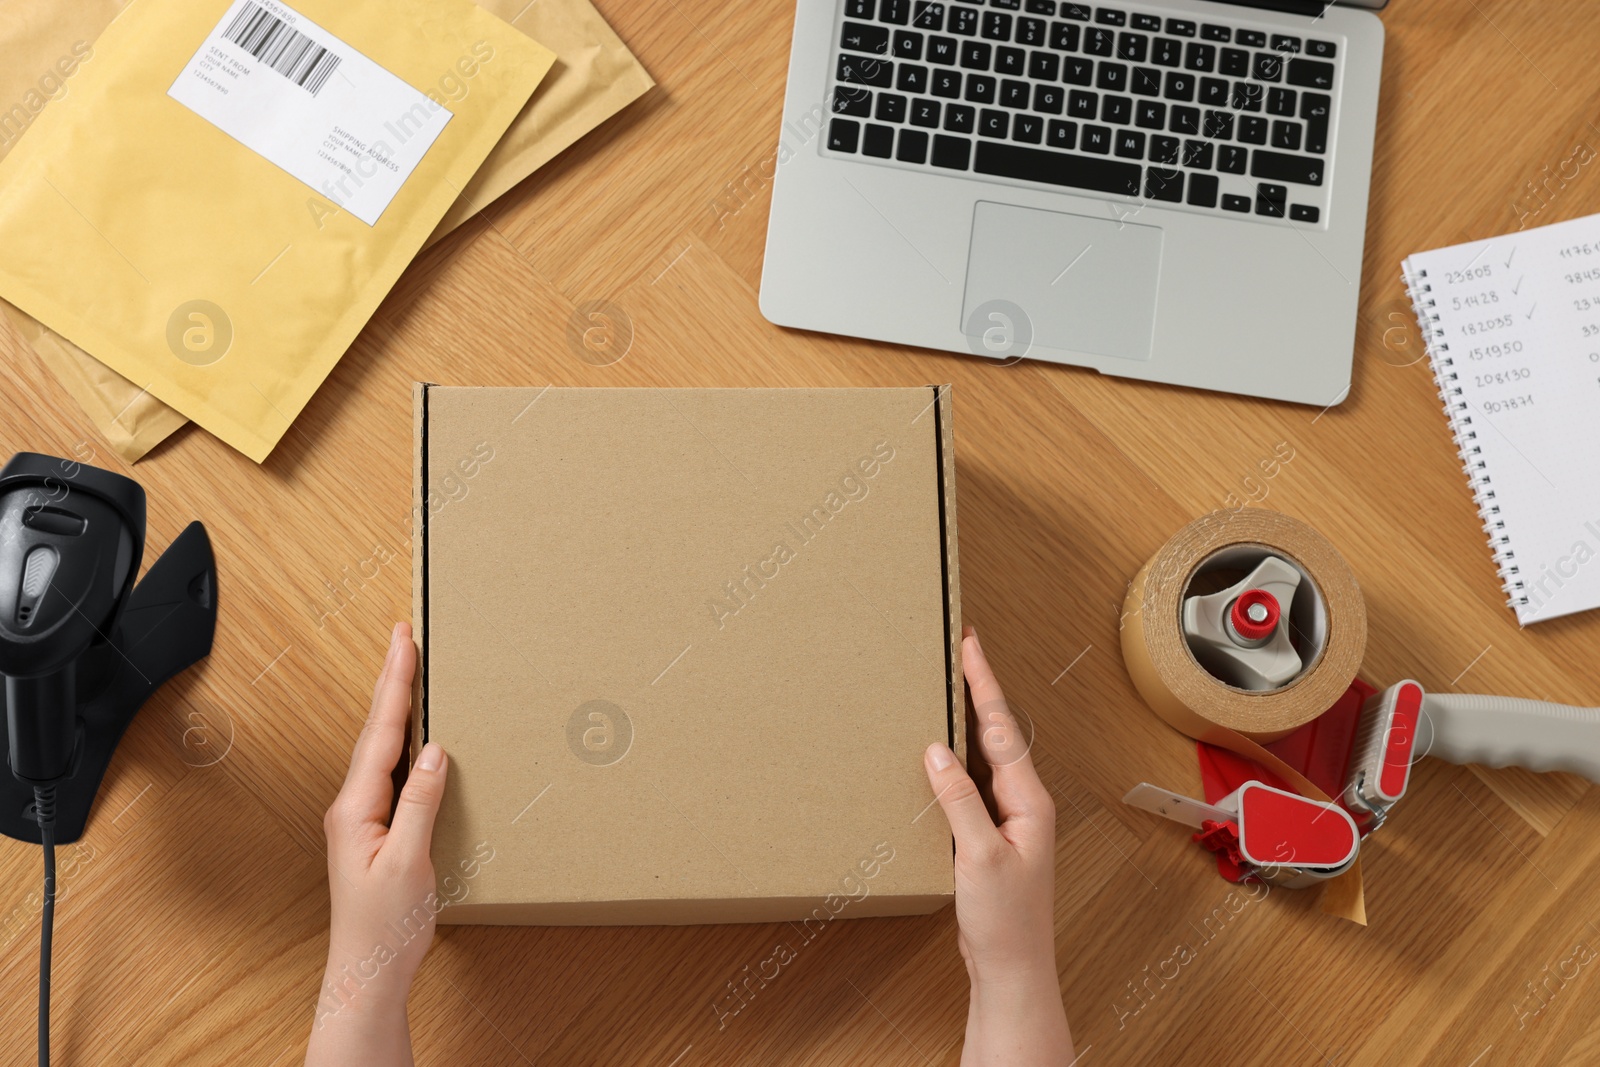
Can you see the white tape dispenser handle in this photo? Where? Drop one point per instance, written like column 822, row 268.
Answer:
column 1507, row 732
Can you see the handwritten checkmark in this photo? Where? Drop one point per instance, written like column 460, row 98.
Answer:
column 1529, row 315
column 1509, row 258
column 1514, row 288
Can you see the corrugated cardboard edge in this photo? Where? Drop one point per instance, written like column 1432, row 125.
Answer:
column 945, row 443
column 419, row 563
column 658, row 912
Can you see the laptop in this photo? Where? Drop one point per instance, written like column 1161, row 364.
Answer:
column 1172, row 191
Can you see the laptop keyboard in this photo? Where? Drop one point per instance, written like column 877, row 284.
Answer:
column 1207, row 115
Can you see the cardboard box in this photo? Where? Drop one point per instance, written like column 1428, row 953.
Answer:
column 685, row 648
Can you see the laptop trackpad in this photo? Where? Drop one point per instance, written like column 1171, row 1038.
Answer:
column 1063, row 281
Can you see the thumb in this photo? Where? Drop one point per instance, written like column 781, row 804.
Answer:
column 412, row 828
column 959, row 798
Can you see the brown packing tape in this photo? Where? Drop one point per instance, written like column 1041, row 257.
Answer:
column 595, row 76
column 1196, row 703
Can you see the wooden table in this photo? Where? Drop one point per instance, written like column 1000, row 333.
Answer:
column 192, row 923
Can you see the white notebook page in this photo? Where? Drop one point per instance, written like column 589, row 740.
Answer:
column 1513, row 328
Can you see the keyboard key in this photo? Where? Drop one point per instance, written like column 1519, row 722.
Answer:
column 959, row 118
column 878, row 141
column 1118, row 109
column 996, row 26
column 844, row 135
column 942, row 50
column 925, row 113
column 1275, row 166
column 1203, row 190
column 891, row 107
column 1231, row 202
column 1280, row 101
column 1323, row 49
column 1268, row 67
column 1097, row 139
column 1201, row 57
column 1042, row 7
column 963, row 20
column 975, row 55
column 1283, row 43
column 1235, row 63
column 1044, row 66
column 1132, row 47
column 1075, row 12
column 1180, row 28
column 1216, row 33
column 907, row 45
column 1028, row 128
column 1010, row 61
column 1150, row 114
column 849, row 100
column 1252, row 130
column 1031, row 32
column 912, row 78
column 946, row 83
column 1197, row 154
column 1286, row 135
column 859, row 38
column 951, row 152
column 980, row 88
column 1112, row 76
column 1062, row 134
column 1056, row 168
column 865, row 70
column 1047, row 99
column 1146, row 81
column 1246, row 96
column 1219, row 127
column 1231, row 158
column 927, row 15
column 1111, row 16
column 1311, row 73
column 1214, row 91
column 1251, row 38
column 1082, row 105
column 897, row 12
column 1180, row 86
column 1009, row 5
column 1014, row 94
column 1129, row 144
column 1064, row 36
column 1270, row 200
column 1164, row 149
column 1166, row 53
column 1304, row 213
column 993, row 123
column 1162, row 184
column 1098, row 42
column 1185, row 119
column 1147, row 22
column 1314, row 109
column 858, row 9
column 1077, row 71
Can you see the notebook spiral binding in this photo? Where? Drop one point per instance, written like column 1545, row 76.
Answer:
column 1445, row 377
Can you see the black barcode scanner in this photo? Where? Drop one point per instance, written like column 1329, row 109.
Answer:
column 81, row 646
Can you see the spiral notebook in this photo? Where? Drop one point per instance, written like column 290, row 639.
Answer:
column 1512, row 325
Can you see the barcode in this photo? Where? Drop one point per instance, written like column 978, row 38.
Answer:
column 287, row 51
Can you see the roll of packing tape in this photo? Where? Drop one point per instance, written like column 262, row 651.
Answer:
column 1328, row 617
column 1329, row 621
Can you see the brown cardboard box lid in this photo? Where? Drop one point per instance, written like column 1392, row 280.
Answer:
column 685, row 648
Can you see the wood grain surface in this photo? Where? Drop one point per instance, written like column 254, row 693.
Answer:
column 192, row 923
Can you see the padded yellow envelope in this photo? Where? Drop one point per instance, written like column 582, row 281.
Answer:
column 232, row 187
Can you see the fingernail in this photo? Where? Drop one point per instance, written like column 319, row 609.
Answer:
column 394, row 642
column 939, row 757
column 432, row 756
column 975, row 639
